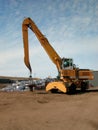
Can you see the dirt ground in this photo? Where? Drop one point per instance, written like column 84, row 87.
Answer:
column 46, row 111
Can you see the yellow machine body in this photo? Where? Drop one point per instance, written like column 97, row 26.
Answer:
column 68, row 73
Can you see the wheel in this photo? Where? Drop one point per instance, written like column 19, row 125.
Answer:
column 72, row 89
column 84, row 86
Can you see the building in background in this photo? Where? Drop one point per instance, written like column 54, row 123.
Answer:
column 94, row 82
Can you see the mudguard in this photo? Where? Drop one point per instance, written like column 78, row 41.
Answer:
column 57, row 85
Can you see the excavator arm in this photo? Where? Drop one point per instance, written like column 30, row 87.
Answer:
column 28, row 23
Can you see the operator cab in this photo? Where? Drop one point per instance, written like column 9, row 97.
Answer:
column 67, row 63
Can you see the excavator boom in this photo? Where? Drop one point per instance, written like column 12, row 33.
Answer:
column 28, row 23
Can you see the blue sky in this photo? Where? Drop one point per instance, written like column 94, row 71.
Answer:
column 71, row 27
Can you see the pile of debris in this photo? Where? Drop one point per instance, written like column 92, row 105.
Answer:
column 18, row 86
column 29, row 85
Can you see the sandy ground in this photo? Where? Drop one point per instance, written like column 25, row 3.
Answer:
column 41, row 111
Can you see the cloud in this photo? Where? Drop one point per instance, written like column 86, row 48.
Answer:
column 70, row 26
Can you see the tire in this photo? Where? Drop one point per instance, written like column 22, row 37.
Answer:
column 84, row 86
column 72, row 89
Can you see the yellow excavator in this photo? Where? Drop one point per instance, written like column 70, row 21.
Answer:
column 70, row 77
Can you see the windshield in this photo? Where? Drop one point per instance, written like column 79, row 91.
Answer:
column 67, row 63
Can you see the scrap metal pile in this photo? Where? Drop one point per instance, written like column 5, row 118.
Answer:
column 25, row 85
